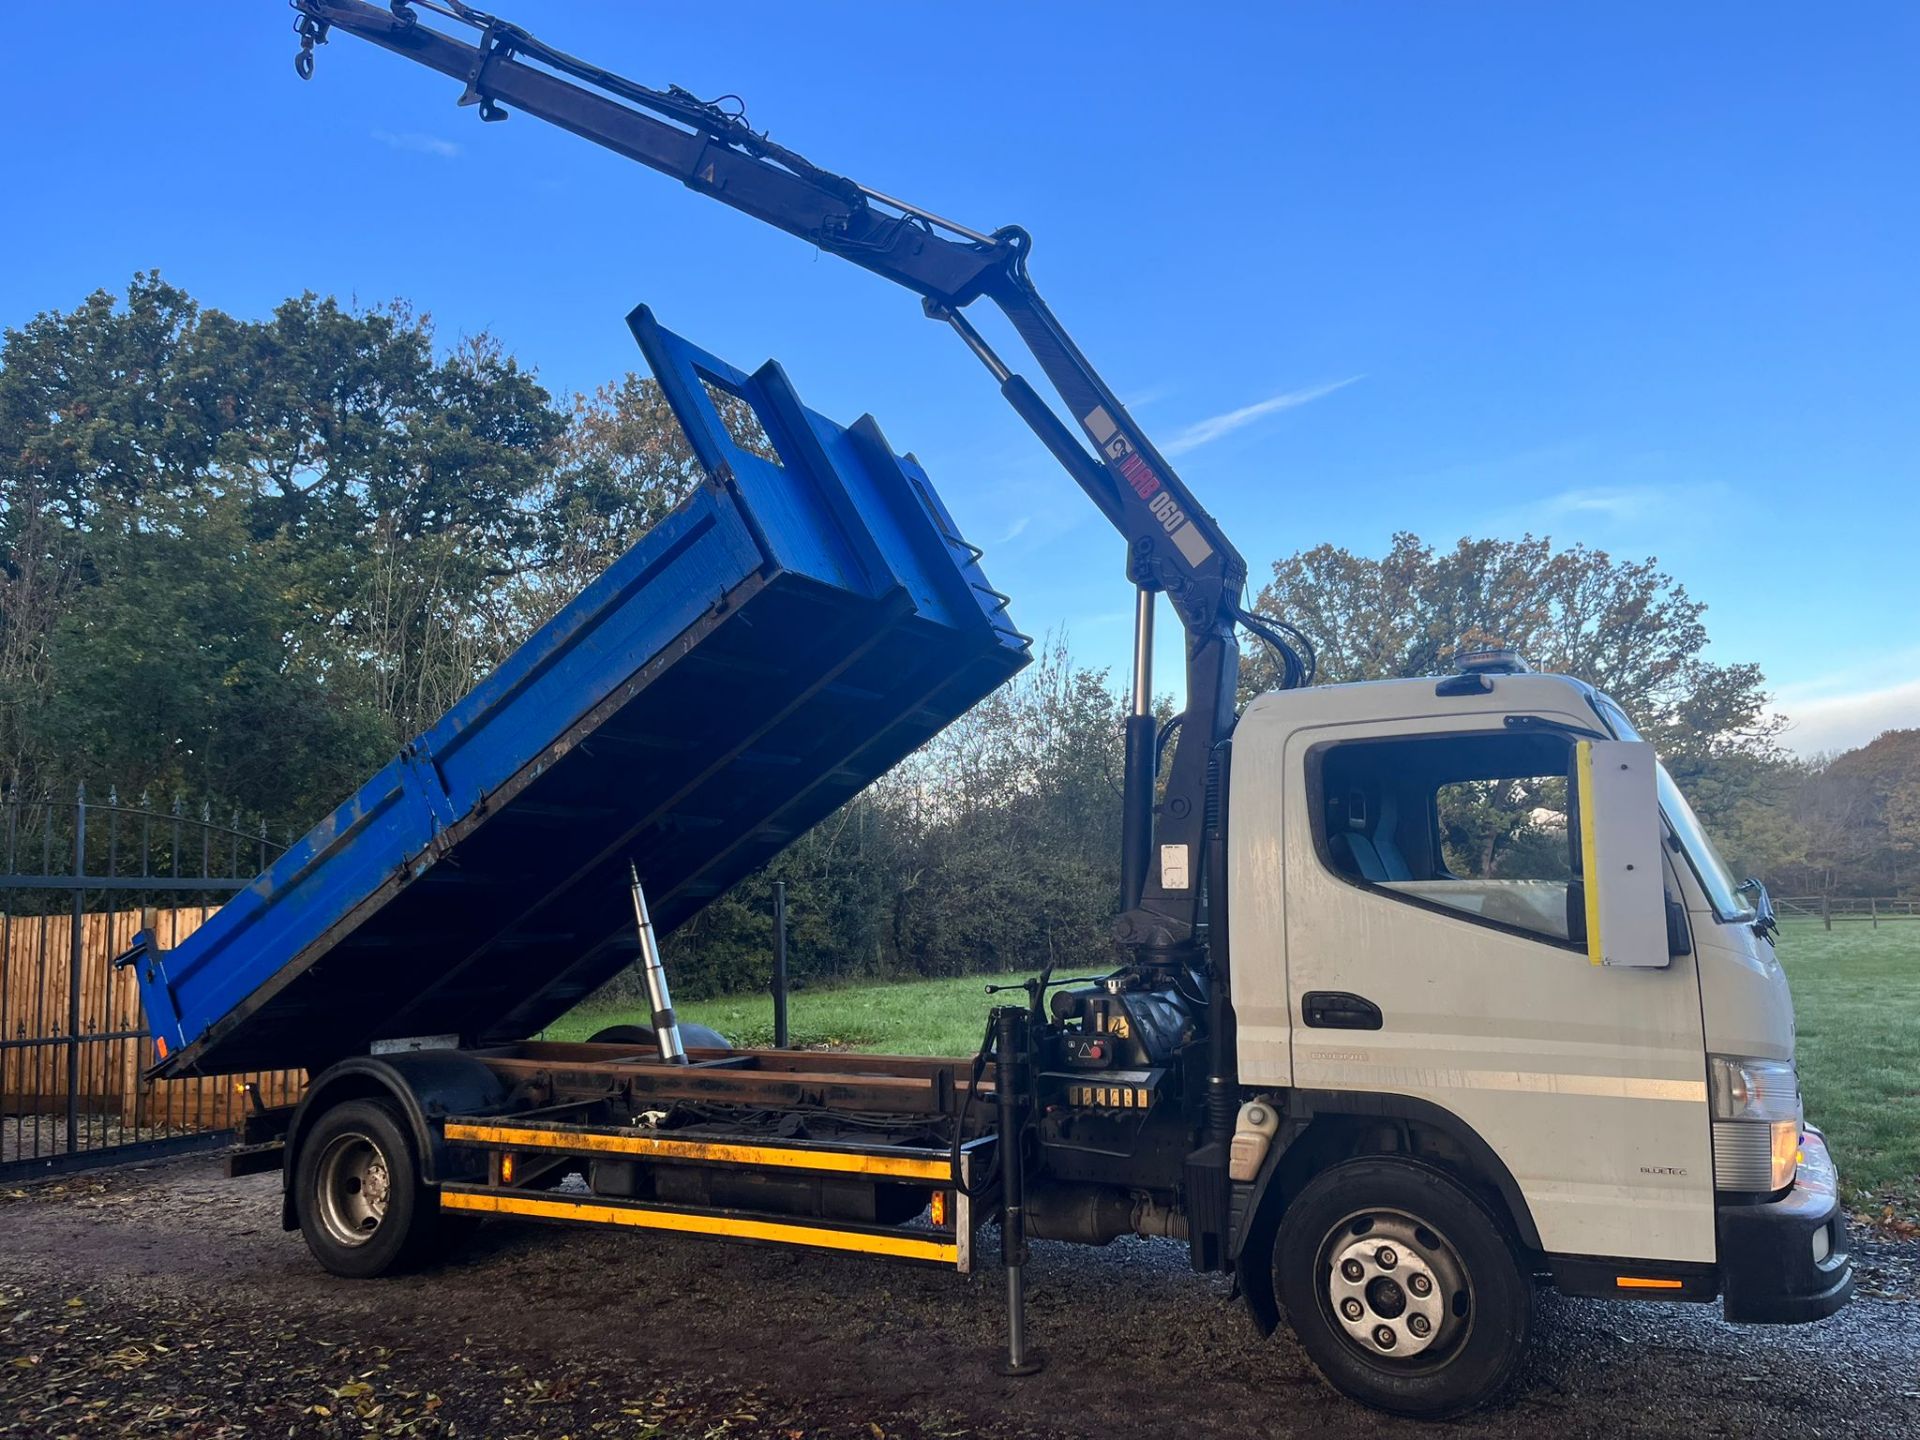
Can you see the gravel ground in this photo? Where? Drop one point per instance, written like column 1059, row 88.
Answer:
column 167, row 1301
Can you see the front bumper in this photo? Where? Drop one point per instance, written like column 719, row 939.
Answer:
column 1772, row 1271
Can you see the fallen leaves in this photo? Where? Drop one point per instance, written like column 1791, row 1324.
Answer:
column 1893, row 1216
column 150, row 1364
column 1899, row 1224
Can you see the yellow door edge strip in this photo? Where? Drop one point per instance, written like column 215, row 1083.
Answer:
column 721, row 1152
column 1647, row 1282
column 725, row 1227
column 1589, row 873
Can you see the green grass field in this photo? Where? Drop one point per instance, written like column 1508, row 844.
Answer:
column 1856, row 991
column 1856, row 995
column 915, row 1017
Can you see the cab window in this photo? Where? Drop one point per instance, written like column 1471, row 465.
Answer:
column 1478, row 825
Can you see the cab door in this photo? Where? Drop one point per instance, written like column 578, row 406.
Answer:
column 1436, row 950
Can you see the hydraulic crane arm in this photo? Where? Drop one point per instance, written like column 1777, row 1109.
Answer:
column 1173, row 545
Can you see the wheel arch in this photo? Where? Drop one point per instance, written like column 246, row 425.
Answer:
column 425, row 1085
column 1324, row 1127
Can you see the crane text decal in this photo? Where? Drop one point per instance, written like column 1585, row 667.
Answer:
column 1147, row 485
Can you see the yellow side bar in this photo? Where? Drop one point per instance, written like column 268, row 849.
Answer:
column 901, row 1247
column 1589, row 875
column 650, row 1147
column 1647, row 1282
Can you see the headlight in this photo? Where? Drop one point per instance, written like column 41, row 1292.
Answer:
column 1754, row 1089
column 1756, row 1123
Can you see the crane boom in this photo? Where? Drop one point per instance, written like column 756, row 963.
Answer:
column 1173, row 545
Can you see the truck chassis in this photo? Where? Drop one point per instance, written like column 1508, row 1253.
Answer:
column 895, row 1157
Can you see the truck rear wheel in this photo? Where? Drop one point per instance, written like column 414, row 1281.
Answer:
column 697, row 1037
column 1404, row 1289
column 357, row 1190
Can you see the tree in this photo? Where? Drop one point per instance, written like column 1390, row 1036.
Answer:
column 1013, row 817
column 402, row 487
column 302, row 530
column 622, row 464
column 995, row 847
column 171, row 673
column 1625, row 626
column 83, row 425
column 1860, row 814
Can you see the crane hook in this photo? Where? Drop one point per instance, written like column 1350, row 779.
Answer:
column 312, row 31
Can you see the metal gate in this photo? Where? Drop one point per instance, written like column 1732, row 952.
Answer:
column 75, row 877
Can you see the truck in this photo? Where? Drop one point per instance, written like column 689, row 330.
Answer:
column 1390, row 1091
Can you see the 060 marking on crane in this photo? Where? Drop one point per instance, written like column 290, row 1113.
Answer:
column 1147, row 485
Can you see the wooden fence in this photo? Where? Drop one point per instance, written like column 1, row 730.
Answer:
column 39, row 1009
column 1829, row 908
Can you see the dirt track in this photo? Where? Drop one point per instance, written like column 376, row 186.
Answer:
column 167, row 1301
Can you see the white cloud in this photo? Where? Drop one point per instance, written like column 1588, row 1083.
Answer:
column 1013, row 531
column 1842, row 722
column 1629, row 514
column 415, row 142
column 1847, row 708
column 1610, row 502
column 1205, row 432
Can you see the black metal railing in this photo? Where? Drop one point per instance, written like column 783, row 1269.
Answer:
column 75, row 875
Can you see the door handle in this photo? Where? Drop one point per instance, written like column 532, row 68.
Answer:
column 1337, row 1010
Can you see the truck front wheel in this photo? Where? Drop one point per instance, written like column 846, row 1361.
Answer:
column 357, row 1190
column 1403, row 1288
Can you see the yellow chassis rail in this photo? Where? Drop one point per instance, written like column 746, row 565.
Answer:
column 596, row 1210
column 715, row 1152
column 952, row 1246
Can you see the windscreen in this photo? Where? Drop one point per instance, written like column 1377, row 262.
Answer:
column 1723, row 891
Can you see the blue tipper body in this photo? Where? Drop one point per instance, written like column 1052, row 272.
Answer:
column 784, row 636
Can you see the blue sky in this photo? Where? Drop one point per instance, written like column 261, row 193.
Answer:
column 1636, row 275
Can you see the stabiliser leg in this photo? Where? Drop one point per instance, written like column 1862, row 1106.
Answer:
column 1012, row 1034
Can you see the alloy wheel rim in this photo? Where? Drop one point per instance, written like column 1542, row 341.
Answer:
column 355, row 1184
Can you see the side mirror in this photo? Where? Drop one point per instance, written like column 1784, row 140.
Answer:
column 1621, row 871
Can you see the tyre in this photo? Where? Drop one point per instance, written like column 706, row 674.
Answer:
column 692, row 1037
column 362, row 1207
column 1404, row 1289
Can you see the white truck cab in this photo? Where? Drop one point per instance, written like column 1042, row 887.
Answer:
column 1478, row 905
